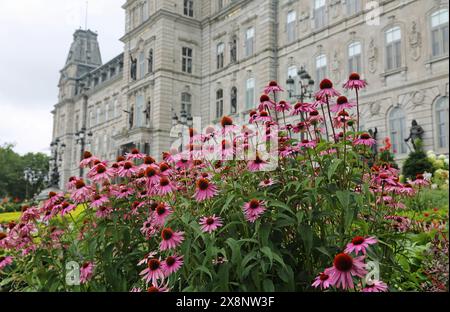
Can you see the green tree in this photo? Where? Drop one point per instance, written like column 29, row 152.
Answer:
column 13, row 181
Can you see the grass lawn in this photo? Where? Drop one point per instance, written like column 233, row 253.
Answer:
column 7, row 217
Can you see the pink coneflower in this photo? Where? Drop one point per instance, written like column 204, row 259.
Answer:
column 88, row 160
column 149, row 229
column 227, row 125
column 152, row 175
column 103, row 212
column 162, row 211
column 342, row 103
column 307, row 143
column 165, row 186
column 322, row 281
column 254, row 209
column 273, row 87
column 300, row 108
column 227, row 150
column 420, row 180
column 71, row 184
column 266, row 183
column 5, row 261
column 86, row 272
column 172, row 264
column 99, row 200
column 165, row 169
column 355, row 82
column 170, row 239
column 210, row 224
column 359, row 244
column 283, row 106
column 262, row 116
column 375, row 286
column 344, row 267
column 123, row 192
column 100, row 174
column 82, row 192
column 127, row 170
column 204, row 190
column 315, row 117
column 153, row 272
column 67, row 208
column 257, row 164
column 364, row 139
column 326, row 90
column 265, row 103
column 135, row 154
column 158, row 287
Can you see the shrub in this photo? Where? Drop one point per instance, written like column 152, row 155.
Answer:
column 417, row 162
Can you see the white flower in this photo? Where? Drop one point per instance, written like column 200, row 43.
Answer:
column 427, row 176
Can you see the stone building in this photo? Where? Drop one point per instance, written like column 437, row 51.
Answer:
column 213, row 57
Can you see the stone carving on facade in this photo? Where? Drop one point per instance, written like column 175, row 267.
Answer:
column 147, row 112
column 336, row 67
column 418, row 98
column 372, row 55
column 133, row 67
column 375, row 108
column 415, row 42
column 233, row 48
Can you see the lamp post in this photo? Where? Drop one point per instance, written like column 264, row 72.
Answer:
column 57, row 149
column 185, row 120
column 306, row 90
column 82, row 137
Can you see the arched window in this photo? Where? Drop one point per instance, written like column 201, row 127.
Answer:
column 393, row 37
column 219, row 103
column 439, row 32
column 233, row 97
column 354, row 57
column 397, row 130
column 186, row 103
column 220, row 55
column 150, row 61
column 290, row 29
column 441, row 113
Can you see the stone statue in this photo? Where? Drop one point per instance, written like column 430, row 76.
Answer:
column 416, row 133
column 133, row 68
column 373, row 134
column 233, row 49
column 131, row 118
column 415, row 42
column 147, row 112
column 373, row 51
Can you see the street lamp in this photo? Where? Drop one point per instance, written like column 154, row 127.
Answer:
column 306, row 90
column 185, row 121
column 82, row 136
column 57, row 149
column 306, row 86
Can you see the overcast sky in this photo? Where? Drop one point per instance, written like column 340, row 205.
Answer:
column 35, row 37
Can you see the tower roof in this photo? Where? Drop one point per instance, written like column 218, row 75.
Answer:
column 84, row 49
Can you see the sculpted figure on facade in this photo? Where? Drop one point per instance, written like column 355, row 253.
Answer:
column 372, row 55
column 415, row 42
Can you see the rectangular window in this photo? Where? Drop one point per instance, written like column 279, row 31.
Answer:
column 291, row 24
column 98, row 118
column 219, row 4
column 293, row 73
column 220, row 55
column 439, row 33
column 145, row 9
column 393, row 48
column 219, row 103
column 186, row 65
column 353, row 6
column 250, row 93
column 141, row 65
column 319, row 13
column 354, row 57
column 321, row 69
column 139, row 110
column 249, row 41
column 188, row 8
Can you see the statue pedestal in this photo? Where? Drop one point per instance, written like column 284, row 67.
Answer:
column 44, row 194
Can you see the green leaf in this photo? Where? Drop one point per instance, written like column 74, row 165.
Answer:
column 268, row 252
column 203, row 269
column 332, row 169
column 268, row 286
column 307, row 236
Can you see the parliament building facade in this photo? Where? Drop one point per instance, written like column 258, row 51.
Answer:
column 210, row 58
